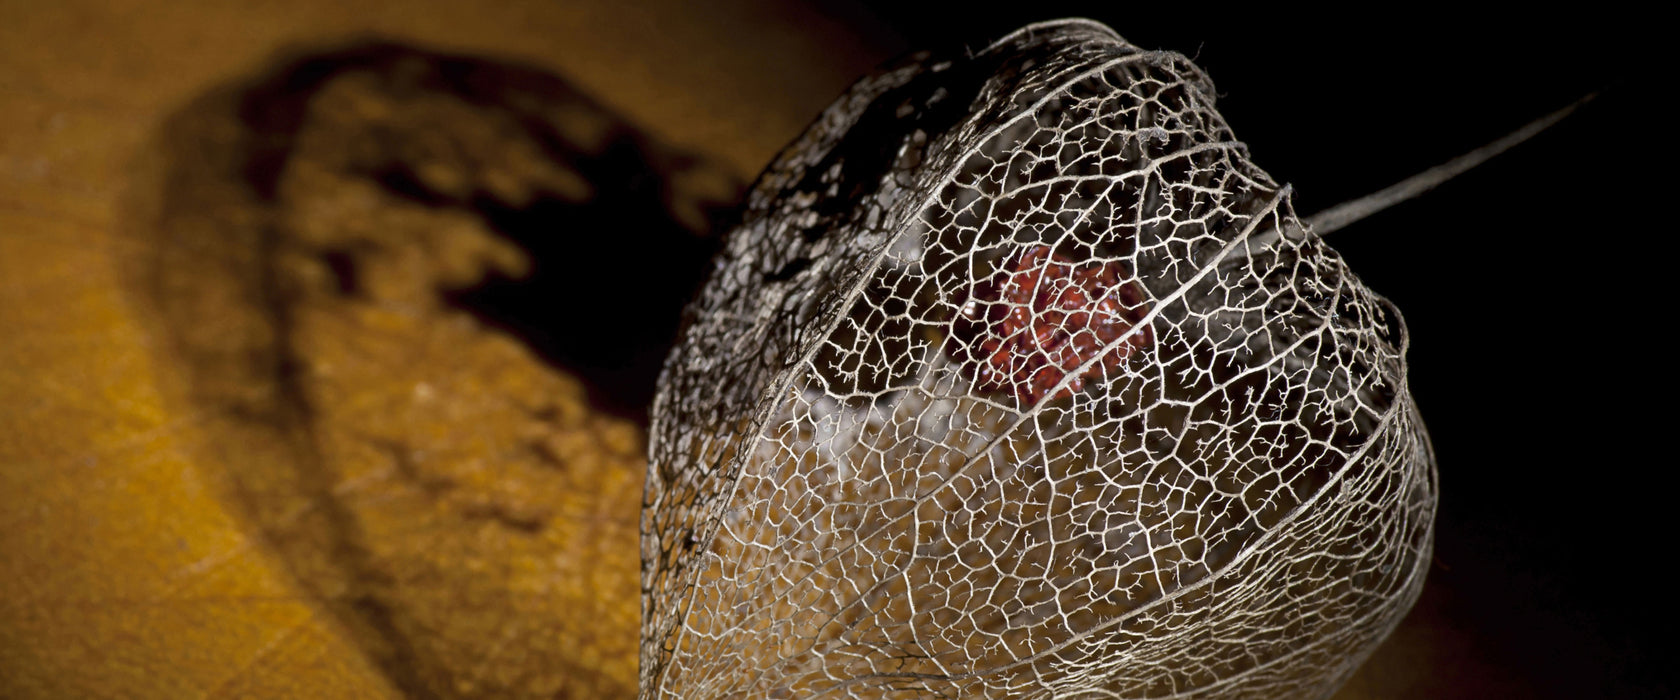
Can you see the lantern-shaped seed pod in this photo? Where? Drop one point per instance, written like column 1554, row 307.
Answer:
column 1018, row 379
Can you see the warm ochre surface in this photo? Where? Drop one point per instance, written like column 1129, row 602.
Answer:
column 223, row 476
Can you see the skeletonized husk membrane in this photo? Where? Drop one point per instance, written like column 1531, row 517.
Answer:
column 1018, row 379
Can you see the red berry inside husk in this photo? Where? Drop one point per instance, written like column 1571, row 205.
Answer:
column 1042, row 317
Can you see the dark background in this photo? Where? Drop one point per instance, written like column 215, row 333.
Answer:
column 1534, row 287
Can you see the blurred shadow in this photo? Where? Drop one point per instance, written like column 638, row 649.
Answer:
column 617, row 243
column 303, row 245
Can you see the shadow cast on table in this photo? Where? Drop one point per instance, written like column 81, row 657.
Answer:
column 414, row 300
column 618, row 241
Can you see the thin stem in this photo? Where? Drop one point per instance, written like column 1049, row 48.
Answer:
column 1341, row 215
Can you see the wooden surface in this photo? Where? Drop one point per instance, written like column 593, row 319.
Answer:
column 157, row 546
column 158, row 536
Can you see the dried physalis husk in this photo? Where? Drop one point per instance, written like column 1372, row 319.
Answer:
column 1018, row 379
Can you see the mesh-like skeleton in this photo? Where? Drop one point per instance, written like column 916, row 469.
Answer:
column 1018, row 379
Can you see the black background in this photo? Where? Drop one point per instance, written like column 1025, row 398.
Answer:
column 1536, row 287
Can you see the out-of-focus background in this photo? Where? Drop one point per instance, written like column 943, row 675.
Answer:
column 327, row 328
